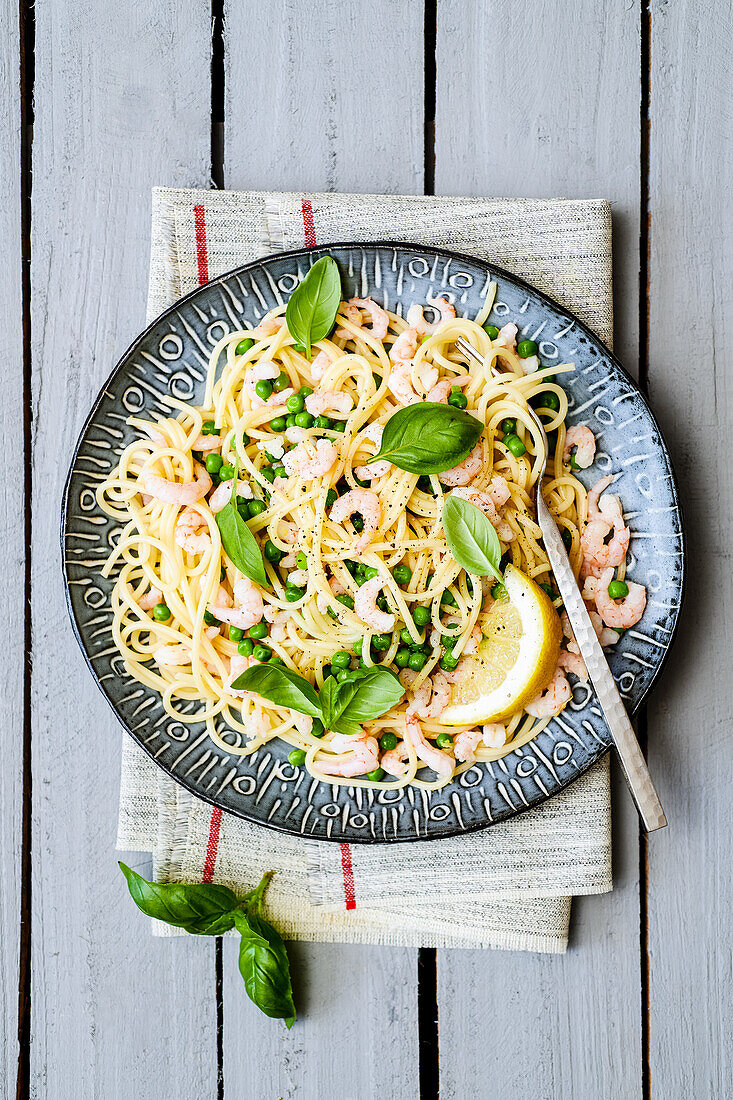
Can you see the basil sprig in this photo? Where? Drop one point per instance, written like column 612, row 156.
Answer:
column 367, row 694
column 313, row 305
column 240, row 545
column 281, row 686
column 209, row 910
column 343, row 707
column 472, row 538
column 429, row 438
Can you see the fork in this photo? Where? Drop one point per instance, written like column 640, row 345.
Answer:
column 627, row 746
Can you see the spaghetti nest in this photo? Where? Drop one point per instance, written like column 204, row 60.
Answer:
column 366, row 581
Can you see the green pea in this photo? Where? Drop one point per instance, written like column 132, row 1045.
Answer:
column 358, row 523
column 243, row 347
column 548, row 400
column 356, row 647
column 281, row 382
column 444, row 741
column 243, row 507
column 293, row 592
column 618, row 589
column 417, row 661
column 573, row 464
column 236, row 633
column 567, row 538
column 547, row 589
column 514, row 444
column 341, row 659
column 346, row 600
column 295, row 403
column 214, row 463
column 226, row 473
column 331, row 496
column 491, row 331
column 304, row 420
column 376, row 775
column 278, row 424
column 280, row 471
column 620, row 630
column 323, row 421
column 341, row 675
column 498, row 591
column 422, row 616
column 339, row 426
column 297, row 758
column 402, row 574
column 208, row 427
column 457, row 399
column 262, row 653
column 381, row 642
column 301, row 560
column 448, row 598
column 352, row 566
column 552, row 442
column 525, row 348
column 318, row 729
column 268, row 473
column 257, row 507
column 161, row 612
column 272, row 553
column 211, row 620
column 402, row 657
column 305, row 391
column 407, row 639
column 448, row 662
column 290, row 420
column 246, row 647
column 258, row 631
column 371, row 572
column 263, row 388
column 388, row 741
column 382, row 603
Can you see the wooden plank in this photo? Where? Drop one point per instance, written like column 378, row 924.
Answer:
column 323, row 122
column 521, row 113
column 13, row 591
column 122, row 102
column 690, row 267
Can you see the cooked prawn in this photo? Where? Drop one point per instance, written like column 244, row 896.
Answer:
column 150, row 599
column 180, row 653
column 333, row 400
column 206, row 443
column 373, row 469
column 432, row 695
column 445, row 309
column 364, row 758
column 260, row 373
column 311, row 463
column 189, row 534
column 366, row 503
column 395, row 760
column 442, row 391
column 379, row 318
column 224, row 492
column 465, row 471
column 486, row 502
column 238, row 665
column 582, row 438
column 248, row 608
column 507, row 337
column 621, row 613
column 494, row 735
column 400, row 384
column 601, row 554
column 365, row 606
column 554, row 697
column 353, row 314
column 594, row 494
column 178, row 492
column 404, row 346
column 572, row 662
column 320, row 365
column 465, row 745
column 439, row 761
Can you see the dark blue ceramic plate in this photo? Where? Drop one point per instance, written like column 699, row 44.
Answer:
column 171, row 356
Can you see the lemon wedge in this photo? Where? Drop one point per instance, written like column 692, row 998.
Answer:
column 515, row 660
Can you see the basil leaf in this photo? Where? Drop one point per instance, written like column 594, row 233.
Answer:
column 280, row 686
column 365, row 695
column 429, row 438
column 202, row 910
column 472, row 538
column 240, row 545
column 264, row 966
column 313, row 305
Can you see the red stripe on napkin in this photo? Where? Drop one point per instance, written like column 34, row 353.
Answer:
column 201, row 256
column 309, row 225
column 213, row 845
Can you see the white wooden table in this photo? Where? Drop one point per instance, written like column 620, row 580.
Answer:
column 622, row 100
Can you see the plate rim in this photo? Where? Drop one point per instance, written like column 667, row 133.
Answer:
column 304, row 251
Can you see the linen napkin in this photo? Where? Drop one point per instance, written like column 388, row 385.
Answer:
column 509, row 886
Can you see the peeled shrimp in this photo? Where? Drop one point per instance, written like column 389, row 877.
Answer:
column 177, row 492
column 149, row 600
column 365, row 756
column 353, row 314
column 400, row 385
column 180, row 654
column 439, row 761
column 605, row 635
column 395, row 760
column 320, row 365
column 225, row 492
column 507, row 337
column 572, row 662
column 582, row 438
column 442, row 391
column 302, row 722
column 621, row 613
column 366, row 503
column 379, row 319
column 333, row 400
column 554, row 697
column 442, row 306
column 365, row 606
column 465, row 471
column 601, row 554
column 494, row 735
column 267, row 327
column 206, row 443
column 465, row 745
column 259, row 373
column 248, row 607
column 311, row 463
column 486, row 502
column 189, row 534
column 432, row 695
column 238, row 665
column 404, row 346
column 594, row 494
column 373, row 469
